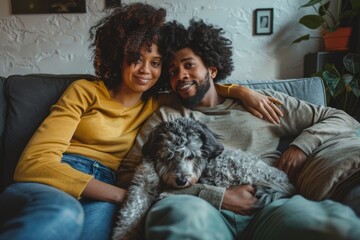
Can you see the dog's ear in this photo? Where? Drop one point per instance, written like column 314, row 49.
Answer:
column 211, row 147
column 153, row 138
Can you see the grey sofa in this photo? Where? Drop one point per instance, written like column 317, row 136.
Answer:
column 25, row 101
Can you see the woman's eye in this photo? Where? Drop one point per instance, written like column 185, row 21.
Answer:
column 156, row 64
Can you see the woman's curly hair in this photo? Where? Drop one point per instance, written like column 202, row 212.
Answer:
column 205, row 40
column 123, row 33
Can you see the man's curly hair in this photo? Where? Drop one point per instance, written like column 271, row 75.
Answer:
column 122, row 34
column 205, row 40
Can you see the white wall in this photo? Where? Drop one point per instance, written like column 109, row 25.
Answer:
column 58, row 43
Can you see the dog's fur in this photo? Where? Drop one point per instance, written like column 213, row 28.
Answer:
column 179, row 154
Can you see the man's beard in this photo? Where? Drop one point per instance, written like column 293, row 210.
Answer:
column 201, row 90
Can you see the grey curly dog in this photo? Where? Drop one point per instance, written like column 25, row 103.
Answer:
column 183, row 152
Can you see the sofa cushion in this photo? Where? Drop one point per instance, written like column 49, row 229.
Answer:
column 29, row 99
column 311, row 89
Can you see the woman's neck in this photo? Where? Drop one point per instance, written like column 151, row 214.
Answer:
column 126, row 99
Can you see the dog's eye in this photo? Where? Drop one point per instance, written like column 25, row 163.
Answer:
column 190, row 157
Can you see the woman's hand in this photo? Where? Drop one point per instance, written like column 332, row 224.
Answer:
column 102, row 191
column 239, row 199
column 257, row 104
column 291, row 162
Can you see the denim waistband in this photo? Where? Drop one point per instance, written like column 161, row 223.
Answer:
column 90, row 166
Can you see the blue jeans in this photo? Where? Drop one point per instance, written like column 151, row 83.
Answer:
column 37, row 211
column 189, row 217
column 296, row 218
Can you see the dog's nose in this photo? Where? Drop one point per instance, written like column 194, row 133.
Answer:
column 181, row 181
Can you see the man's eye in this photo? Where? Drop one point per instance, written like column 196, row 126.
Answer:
column 188, row 65
column 172, row 73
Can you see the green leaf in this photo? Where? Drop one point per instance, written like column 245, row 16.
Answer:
column 352, row 62
column 324, row 8
column 311, row 21
column 332, row 80
column 351, row 84
column 310, row 3
column 302, row 38
column 355, row 90
column 340, row 88
column 348, row 78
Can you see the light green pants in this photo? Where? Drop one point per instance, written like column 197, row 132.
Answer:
column 181, row 217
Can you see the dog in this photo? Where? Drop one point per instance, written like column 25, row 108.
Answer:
column 183, row 152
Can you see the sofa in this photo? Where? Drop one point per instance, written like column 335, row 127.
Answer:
column 25, row 101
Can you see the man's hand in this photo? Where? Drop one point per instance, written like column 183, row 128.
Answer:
column 258, row 104
column 291, row 162
column 240, row 199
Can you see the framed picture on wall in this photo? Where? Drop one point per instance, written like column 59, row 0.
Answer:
column 112, row 3
column 47, row 6
column 264, row 21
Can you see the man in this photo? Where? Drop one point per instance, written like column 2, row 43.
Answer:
column 200, row 55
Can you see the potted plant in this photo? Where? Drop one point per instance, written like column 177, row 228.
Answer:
column 342, row 87
column 329, row 22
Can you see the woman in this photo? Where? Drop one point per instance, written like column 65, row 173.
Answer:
column 65, row 177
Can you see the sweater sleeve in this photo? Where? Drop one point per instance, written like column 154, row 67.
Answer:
column 212, row 194
column 224, row 89
column 41, row 160
column 311, row 124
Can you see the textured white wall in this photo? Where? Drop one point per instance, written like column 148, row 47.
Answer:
column 58, row 43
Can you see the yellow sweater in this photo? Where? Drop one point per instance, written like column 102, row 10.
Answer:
column 85, row 121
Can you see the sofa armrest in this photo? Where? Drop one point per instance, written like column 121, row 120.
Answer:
column 2, row 119
column 28, row 99
column 310, row 89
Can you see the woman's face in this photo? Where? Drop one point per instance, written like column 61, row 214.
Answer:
column 142, row 74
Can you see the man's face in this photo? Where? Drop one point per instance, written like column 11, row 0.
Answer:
column 189, row 77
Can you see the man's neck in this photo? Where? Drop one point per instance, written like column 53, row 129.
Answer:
column 211, row 98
